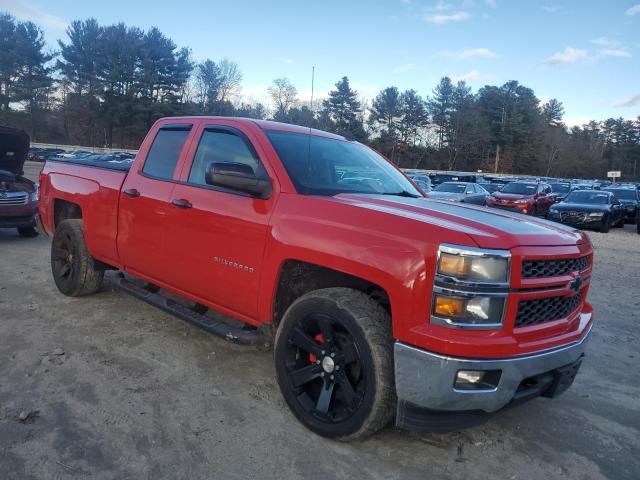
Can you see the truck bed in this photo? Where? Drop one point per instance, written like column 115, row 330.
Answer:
column 95, row 190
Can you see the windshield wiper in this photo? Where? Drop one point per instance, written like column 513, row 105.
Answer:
column 402, row 193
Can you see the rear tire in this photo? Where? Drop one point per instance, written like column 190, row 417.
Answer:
column 74, row 269
column 27, row 232
column 334, row 362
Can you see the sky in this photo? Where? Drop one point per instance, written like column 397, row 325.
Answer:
column 586, row 53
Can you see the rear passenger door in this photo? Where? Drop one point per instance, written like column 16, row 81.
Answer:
column 216, row 238
column 144, row 207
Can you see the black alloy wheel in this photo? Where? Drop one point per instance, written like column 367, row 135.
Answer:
column 335, row 363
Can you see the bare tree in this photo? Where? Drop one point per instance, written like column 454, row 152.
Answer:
column 283, row 94
column 230, row 76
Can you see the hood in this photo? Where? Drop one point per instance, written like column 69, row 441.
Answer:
column 445, row 195
column 580, row 207
column 488, row 228
column 14, row 146
column 511, row 196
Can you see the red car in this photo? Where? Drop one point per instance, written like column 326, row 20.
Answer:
column 530, row 198
column 381, row 304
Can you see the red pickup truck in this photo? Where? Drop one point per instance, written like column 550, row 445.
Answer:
column 381, row 303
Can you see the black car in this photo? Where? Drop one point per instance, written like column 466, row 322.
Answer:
column 466, row 192
column 44, row 154
column 561, row 189
column 630, row 200
column 589, row 209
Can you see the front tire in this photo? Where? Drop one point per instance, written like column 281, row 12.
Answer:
column 334, row 363
column 74, row 269
column 605, row 225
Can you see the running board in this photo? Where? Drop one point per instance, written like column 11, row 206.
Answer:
column 217, row 327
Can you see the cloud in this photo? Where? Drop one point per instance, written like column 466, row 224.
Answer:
column 468, row 53
column 441, row 6
column 287, row 60
column 550, row 8
column 23, row 10
column 576, row 121
column 491, row 3
column 568, row 56
column 442, row 18
column 405, row 68
column 635, row 10
column 471, row 76
column 613, row 52
column 630, row 102
column 605, row 42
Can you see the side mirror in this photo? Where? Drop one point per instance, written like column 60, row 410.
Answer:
column 238, row 176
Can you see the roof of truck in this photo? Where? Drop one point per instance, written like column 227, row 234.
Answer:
column 266, row 125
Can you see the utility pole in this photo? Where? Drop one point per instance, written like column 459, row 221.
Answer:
column 495, row 166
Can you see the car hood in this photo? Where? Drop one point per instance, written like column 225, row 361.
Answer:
column 488, row 228
column 445, row 195
column 580, row 207
column 511, row 196
column 14, row 146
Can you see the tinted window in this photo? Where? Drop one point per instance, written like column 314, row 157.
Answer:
column 217, row 146
column 327, row 166
column 624, row 194
column 520, row 188
column 590, row 197
column 451, row 187
column 164, row 153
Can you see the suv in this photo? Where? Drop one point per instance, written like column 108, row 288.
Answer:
column 530, row 198
column 18, row 195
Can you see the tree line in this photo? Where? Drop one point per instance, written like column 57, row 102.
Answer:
column 105, row 85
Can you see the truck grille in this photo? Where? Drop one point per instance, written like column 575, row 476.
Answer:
column 542, row 310
column 13, row 198
column 553, row 268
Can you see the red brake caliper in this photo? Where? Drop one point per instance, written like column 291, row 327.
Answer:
column 320, row 339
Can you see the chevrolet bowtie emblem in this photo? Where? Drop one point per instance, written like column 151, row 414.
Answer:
column 576, row 284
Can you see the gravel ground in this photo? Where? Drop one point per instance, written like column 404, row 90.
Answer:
column 108, row 387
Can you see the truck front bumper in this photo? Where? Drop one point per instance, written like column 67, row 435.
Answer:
column 425, row 384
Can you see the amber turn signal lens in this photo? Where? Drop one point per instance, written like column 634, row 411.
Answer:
column 449, row 307
column 454, row 265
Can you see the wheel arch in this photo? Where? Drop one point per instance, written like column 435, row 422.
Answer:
column 297, row 277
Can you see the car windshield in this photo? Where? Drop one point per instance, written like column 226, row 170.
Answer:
column 519, row 188
column 560, row 187
column 623, row 193
column 590, row 197
column 451, row 187
column 327, row 166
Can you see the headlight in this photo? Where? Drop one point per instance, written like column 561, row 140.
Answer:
column 36, row 193
column 462, row 310
column 472, row 265
column 596, row 214
column 521, row 202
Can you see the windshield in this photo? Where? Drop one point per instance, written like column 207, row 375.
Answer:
column 520, row 188
column 326, row 166
column 624, row 194
column 592, row 197
column 450, row 187
column 560, row 187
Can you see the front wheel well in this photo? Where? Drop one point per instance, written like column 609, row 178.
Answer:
column 297, row 278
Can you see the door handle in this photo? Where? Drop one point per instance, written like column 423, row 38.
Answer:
column 181, row 203
column 131, row 192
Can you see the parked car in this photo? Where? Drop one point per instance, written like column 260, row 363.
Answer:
column 597, row 209
column 75, row 154
column 460, row 192
column 375, row 299
column 530, row 198
column 423, row 181
column 630, row 200
column 18, row 195
column 491, row 186
column 44, row 154
column 561, row 190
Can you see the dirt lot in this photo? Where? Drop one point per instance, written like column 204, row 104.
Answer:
column 125, row 391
